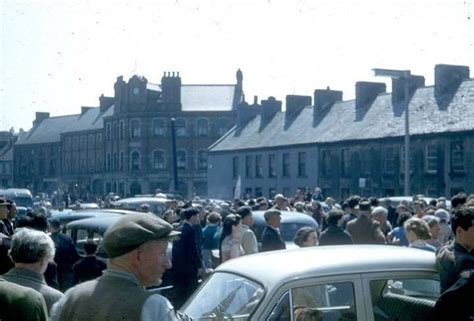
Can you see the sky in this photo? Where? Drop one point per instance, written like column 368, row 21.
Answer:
column 56, row 56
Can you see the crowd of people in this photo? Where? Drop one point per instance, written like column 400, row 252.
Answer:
column 35, row 254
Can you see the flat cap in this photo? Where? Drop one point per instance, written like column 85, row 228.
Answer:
column 364, row 205
column 133, row 230
column 271, row 213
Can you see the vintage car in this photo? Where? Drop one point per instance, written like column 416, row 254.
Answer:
column 350, row 282
column 409, row 200
column 67, row 216
column 157, row 204
column 290, row 223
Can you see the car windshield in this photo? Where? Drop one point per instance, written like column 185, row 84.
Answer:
column 288, row 230
column 23, row 201
column 225, row 296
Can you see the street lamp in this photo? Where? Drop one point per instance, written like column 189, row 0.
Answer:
column 405, row 75
column 174, row 156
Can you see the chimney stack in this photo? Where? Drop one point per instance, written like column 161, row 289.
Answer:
column 325, row 98
column 366, row 92
column 398, row 88
column 245, row 113
column 295, row 104
column 40, row 116
column 270, row 107
column 448, row 78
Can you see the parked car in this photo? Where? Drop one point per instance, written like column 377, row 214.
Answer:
column 363, row 282
column 409, row 199
column 84, row 206
column 22, row 197
column 157, row 204
column 290, row 223
column 66, row 217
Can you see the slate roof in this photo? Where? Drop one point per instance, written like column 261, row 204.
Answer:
column 207, row 97
column 50, row 129
column 340, row 122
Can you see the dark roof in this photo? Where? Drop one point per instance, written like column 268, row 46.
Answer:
column 50, row 129
column 341, row 122
column 207, row 97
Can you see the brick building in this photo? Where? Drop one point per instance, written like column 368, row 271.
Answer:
column 355, row 146
column 124, row 145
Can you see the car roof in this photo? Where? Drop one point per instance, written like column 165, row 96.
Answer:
column 328, row 260
column 288, row 216
column 142, row 200
column 67, row 216
column 97, row 224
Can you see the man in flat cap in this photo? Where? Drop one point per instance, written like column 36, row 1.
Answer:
column 271, row 238
column 365, row 230
column 136, row 245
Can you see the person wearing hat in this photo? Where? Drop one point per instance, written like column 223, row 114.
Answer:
column 352, row 213
column 365, row 230
column 5, row 239
column 281, row 203
column 271, row 238
column 136, row 246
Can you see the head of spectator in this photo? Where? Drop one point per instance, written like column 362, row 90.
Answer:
column 306, row 237
column 263, row 205
column 272, row 218
column 231, row 226
column 380, row 214
column 433, row 203
column 458, row 200
column 34, row 220
column 330, row 201
column 214, row 218
column 416, row 229
column 191, row 215
column 334, row 217
column 443, row 215
column 462, row 224
column 280, row 200
column 401, row 208
column 11, row 209
column 145, row 208
column 78, row 205
column 54, row 225
column 433, row 223
column 352, row 202
column 374, row 202
column 3, row 208
column 90, row 247
column 137, row 244
column 246, row 215
column 365, row 208
column 403, row 217
column 299, row 207
column 31, row 249
column 419, row 206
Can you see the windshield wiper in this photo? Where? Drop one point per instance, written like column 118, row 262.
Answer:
column 183, row 316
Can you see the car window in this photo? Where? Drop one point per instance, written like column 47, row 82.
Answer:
column 225, row 296
column 412, row 297
column 324, row 302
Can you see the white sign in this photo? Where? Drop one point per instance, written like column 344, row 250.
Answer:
column 361, row 182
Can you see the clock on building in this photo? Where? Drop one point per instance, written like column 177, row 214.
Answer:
column 136, row 90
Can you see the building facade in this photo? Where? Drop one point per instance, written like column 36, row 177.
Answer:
column 352, row 147
column 7, row 139
column 124, row 145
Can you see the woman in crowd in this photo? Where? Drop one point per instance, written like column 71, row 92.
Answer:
column 417, row 233
column 211, row 235
column 230, row 247
column 445, row 233
column 433, row 223
column 306, row 236
column 397, row 235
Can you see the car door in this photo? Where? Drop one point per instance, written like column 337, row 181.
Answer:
column 329, row 298
column 400, row 295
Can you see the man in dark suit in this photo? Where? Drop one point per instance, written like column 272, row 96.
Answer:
column 187, row 264
column 271, row 238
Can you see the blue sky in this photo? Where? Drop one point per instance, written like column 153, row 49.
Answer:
column 57, row 56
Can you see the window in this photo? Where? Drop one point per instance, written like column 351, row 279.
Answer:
column 52, row 167
column 258, row 166
column 389, row 158
column 272, row 166
column 326, row 163
column 335, row 301
column 301, row 164
column 248, row 166
column 345, row 162
column 235, row 167
column 180, row 127
column 158, row 127
column 135, row 128
column 91, row 142
column 258, row 192
column 90, row 165
column 109, row 162
column 202, row 127
column 403, row 293
column 271, row 192
column 108, row 132
column 222, row 126
column 248, row 193
column 286, row 165
column 181, row 161
column 122, row 129
column 158, row 160
column 115, row 161
column 116, row 130
column 457, row 157
column 99, row 140
column 121, row 165
column 431, row 158
column 135, row 161
column 202, row 159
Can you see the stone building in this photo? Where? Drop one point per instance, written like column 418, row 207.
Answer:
column 355, row 146
column 7, row 139
column 124, row 145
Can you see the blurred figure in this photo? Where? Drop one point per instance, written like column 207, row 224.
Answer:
column 271, row 238
column 31, row 251
column 306, row 237
column 230, row 247
column 21, row 303
column 445, row 232
column 417, row 233
column 380, row 214
column 211, row 235
column 365, row 230
column 89, row 267
column 334, row 234
column 397, row 235
column 433, row 224
column 247, row 236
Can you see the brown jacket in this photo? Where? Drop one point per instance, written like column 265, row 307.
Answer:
column 364, row 230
